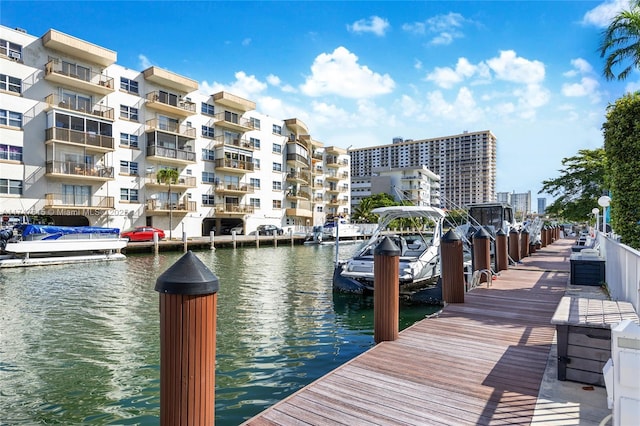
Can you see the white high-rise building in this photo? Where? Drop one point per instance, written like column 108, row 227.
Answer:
column 466, row 164
column 84, row 141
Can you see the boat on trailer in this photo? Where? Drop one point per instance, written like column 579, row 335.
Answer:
column 419, row 261
column 36, row 245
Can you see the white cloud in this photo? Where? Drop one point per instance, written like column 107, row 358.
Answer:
column 144, row 62
column 339, row 73
column 246, row 41
column 588, row 86
column 374, row 24
column 417, row 64
column 273, row 80
column 246, row 86
column 463, row 109
column 601, row 15
column 530, row 98
column 509, row 67
column 445, row 27
column 447, row 77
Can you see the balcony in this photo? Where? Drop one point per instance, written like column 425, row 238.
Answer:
column 297, row 160
column 337, row 202
column 78, row 171
column 295, row 195
column 234, row 102
column 77, row 48
column 67, row 201
column 232, row 121
column 184, row 182
column 334, row 150
column 299, row 211
column 97, row 110
column 243, row 143
column 237, row 189
column 162, row 208
column 336, row 163
column 171, row 155
column 230, row 209
column 299, row 177
column 170, row 104
column 85, row 80
column 296, row 126
column 335, row 190
column 233, row 166
column 88, row 140
column 169, row 79
column 170, row 127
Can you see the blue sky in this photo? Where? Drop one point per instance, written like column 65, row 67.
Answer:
column 360, row 73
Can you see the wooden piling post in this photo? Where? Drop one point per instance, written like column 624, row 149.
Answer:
column 481, row 253
column 156, row 243
column 184, row 242
column 514, row 245
column 233, row 238
column 386, row 300
column 187, row 342
column 257, row 239
column 543, row 236
column 452, row 268
column 291, row 235
column 502, row 259
column 524, row 243
column 212, row 236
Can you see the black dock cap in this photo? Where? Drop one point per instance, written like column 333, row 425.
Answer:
column 450, row 236
column 501, row 233
column 187, row 276
column 386, row 248
column 481, row 233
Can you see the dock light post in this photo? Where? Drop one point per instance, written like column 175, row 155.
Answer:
column 386, row 293
column 595, row 212
column 604, row 202
column 187, row 342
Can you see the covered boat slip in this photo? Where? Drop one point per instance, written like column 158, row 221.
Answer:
column 480, row 362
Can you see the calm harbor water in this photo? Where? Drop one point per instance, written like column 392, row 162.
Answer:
column 79, row 344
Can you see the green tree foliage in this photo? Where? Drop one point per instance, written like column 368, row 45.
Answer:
column 580, row 184
column 622, row 146
column 362, row 212
column 621, row 43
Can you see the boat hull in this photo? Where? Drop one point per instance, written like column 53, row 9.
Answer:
column 65, row 245
column 19, row 262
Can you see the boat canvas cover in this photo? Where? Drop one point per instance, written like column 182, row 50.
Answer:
column 55, row 232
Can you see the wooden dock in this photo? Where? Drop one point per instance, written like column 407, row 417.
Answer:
column 477, row 363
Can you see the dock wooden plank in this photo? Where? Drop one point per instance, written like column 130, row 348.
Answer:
column 476, row 363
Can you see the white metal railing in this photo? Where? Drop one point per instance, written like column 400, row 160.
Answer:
column 622, row 270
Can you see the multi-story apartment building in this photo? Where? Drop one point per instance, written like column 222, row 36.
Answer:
column 417, row 185
column 521, row 202
column 84, row 140
column 542, row 205
column 466, row 164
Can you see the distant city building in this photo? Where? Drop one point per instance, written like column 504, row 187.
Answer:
column 83, row 141
column 466, row 164
column 417, row 185
column 521, row 203
column 542, row 205
column 503, row 197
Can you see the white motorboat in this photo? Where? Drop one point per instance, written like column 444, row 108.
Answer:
column 31, row 245
column 333, row 231
column 419, row 261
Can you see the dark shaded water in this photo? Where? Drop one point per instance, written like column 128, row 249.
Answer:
column 80, row 344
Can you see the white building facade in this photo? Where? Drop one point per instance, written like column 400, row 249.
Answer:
column 84, row 140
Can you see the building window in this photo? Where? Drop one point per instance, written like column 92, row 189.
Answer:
column 10, row 118
column 127, row 194
column 10, row 152
column 255, row 123
column 127, row 85
column 254, row 202
column 256, row 164
column 231, row 117
column 255, row 183
column 277, row 148
column 277, row 129
column 255, row 142
column 206, row 109
column 208, row 199
column 208, row 154
column 129, row 140
column 277, row 167
column 128, row 113
column 277, row 204
column 277, row 185
column 10, row 186
column 207, row 132
column 12, row 50
column 10, row 84
column 208, row 177
column 128, row 167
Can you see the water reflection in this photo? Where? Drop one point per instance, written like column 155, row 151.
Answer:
column 79, row 344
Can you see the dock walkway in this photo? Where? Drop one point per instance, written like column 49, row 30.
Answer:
column 477, row 363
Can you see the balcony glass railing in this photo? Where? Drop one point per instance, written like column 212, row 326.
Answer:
column 171, row 100
column 171, row 153
column 79, row 73
column 79, row 169
column 74, row 200
column 234, row 164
